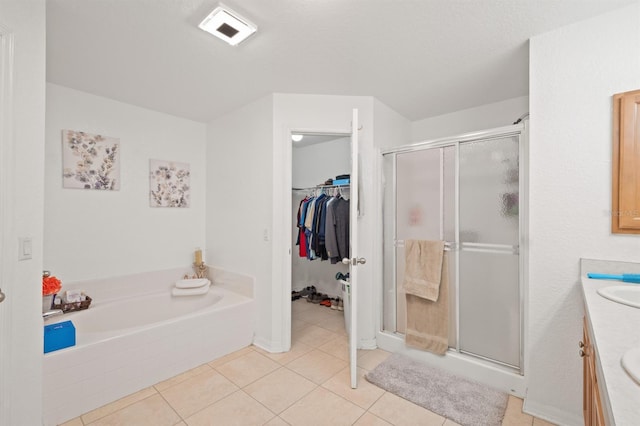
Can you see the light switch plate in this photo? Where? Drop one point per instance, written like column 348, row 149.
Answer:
column 25, row 248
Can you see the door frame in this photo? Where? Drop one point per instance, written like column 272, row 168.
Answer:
column 7, row 267
column 282, row 238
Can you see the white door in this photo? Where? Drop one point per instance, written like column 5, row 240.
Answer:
column 354, row 261
column 6, row 264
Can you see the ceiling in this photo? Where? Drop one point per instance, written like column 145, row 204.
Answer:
column 420, row 57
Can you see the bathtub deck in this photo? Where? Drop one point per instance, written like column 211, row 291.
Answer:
column 308, row 385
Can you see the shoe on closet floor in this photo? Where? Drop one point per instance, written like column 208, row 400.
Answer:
column 305, row 292
column 334, row 304
column 326, row 302
column 340, row 304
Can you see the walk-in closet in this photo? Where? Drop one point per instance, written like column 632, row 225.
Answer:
column 320, row 230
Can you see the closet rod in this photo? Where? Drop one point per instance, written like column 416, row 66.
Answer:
column 321, row 187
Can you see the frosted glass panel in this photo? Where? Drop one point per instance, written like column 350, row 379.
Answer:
column 489, row 191
column 419, row 213
column 389, row 250
column 418, row 210
column 490, row 306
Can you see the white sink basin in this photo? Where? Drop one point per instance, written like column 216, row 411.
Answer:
column 631, row 363
column 625, row 294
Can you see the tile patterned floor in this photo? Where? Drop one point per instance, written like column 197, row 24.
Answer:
column 308, row 385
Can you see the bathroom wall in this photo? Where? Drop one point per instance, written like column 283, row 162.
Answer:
column 239, row 198
column 21, row 182
column 483, row 117
column 249, row 211
column 92, row 234
column 574, row 72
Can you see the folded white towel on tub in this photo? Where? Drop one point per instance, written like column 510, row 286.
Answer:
column 192, row 283
column 190, row 291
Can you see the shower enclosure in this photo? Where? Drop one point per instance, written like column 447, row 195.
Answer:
column 468, row 192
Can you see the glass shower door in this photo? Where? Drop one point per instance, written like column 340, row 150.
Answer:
column 489, row 290
column 419, row 205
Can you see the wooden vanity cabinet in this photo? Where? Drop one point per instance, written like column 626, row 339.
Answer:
column 591, row 404
column 625, row 210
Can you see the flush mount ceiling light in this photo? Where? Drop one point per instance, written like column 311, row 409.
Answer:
column 296, row 138
column 227, row 25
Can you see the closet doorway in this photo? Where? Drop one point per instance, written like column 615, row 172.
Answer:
column 323, row 273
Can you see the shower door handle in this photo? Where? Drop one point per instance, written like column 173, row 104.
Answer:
column 2, row 296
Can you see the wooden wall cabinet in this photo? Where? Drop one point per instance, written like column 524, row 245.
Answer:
column 625, row 211
column 591, row 404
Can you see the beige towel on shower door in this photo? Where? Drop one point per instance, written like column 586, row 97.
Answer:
column 428, row 321
column 423, row 268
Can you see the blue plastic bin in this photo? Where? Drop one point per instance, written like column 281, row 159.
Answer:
column 59, row 336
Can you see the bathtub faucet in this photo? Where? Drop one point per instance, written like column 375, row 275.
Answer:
column 52, row 313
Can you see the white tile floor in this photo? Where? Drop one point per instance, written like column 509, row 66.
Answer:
column 308, row 385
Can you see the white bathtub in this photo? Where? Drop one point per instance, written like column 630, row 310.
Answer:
column 126, row 344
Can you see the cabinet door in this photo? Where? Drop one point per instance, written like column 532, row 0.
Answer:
column 626, row 163
column 592, row 406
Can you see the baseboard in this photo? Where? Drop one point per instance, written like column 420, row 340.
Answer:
column 267, row 345
column 368, row 344
column 551, row 414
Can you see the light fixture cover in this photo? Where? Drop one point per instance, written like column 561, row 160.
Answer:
column 227, row 25
column 296, row 138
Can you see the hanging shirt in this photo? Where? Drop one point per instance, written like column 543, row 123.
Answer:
column 341, row 219
column 300, row 241
column 330, row 240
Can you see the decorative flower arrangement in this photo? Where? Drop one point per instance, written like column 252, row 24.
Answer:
column 50, row 284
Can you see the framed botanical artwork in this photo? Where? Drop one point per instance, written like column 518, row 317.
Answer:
column 90, row 161
column 169, row 184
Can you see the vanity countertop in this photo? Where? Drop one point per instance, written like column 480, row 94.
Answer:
column 615, row 328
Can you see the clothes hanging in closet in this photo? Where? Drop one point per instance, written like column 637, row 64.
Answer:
column 323, row 228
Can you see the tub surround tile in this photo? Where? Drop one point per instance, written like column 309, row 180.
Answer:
column 152, row 411
column 322, row 407
column 236, row 409
column 182, row 377
column 401, row 412
column 195, row 393
column 317, row 366
column 230, row 357
column 247, row 368
column 117, row 405
column 364, row 396
column 369, row 419
column 280, row 389
column 234, row 281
